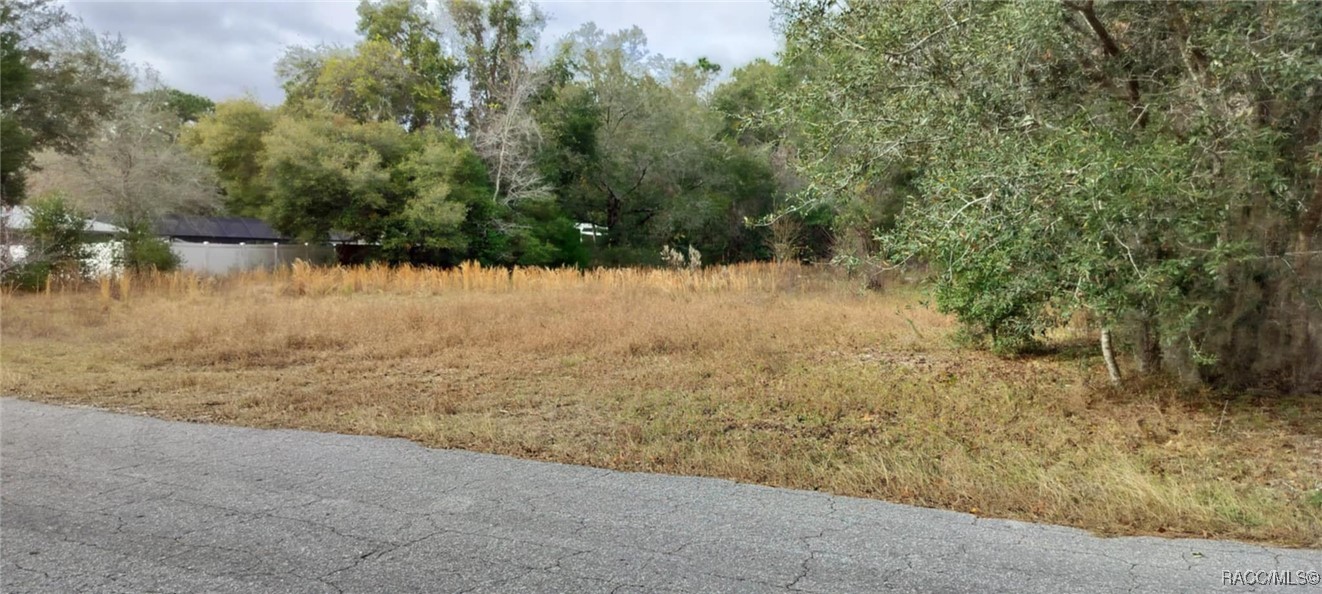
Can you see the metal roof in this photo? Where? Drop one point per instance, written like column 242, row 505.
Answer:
column 20, row 217
column 232, row 228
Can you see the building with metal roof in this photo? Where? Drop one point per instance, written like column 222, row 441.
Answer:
column 217, row 230
column 19, row 218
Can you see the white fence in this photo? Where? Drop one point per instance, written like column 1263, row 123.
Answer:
column 100, row 260
column 211, row 258
column 219, row 258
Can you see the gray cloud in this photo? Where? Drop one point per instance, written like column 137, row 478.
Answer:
column 227, row 49
column 219, row 49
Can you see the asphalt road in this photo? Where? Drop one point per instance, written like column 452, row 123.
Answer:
column 101, row 502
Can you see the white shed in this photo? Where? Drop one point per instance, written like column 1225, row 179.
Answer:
column 103, row 248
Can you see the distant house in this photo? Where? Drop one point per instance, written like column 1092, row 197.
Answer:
column 19, row 219
column 102, row 247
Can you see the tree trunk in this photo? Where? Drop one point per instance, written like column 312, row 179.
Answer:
column 5, row 256
column 1149, row 346
column 1112, row 369
column 612, row 217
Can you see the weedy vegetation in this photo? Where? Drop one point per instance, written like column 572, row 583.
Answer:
column 773, row 374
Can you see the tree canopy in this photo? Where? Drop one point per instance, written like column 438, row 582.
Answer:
column 1153, row 166
column 58, row 82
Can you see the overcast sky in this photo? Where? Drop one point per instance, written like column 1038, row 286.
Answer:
column 228, row 49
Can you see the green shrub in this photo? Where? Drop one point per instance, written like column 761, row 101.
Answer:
column 28, row 276
column 143, row 251
column 56, row 245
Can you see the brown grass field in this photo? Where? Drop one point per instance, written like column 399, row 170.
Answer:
column 774, row 375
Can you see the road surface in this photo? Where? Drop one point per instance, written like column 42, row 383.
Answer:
column 101, row 502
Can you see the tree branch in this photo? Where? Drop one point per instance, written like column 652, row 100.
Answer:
column 1112, row 49
column 917, row 45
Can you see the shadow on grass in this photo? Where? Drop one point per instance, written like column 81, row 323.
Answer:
column 1299, row 414
column 1065, row 350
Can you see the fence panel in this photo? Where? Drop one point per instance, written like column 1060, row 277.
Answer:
column 219, row 258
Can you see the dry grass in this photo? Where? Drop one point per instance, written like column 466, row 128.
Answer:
column 756, row 373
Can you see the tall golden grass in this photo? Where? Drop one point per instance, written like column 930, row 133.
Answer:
column 304, row 279
column 781, row 375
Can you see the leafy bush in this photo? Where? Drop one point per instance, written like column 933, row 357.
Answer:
column 28, row 276
column 546, row 237
column 56, row 245
column 143, row 251
column 988, row 141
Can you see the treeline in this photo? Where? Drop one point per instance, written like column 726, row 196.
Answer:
column 375, row 142
column 448, row 132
